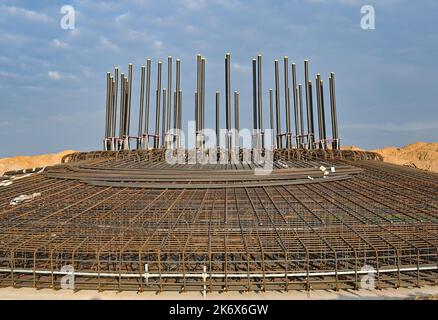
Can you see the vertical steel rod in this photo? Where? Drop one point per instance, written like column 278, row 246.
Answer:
column 178, row 88
column 308, row 93
column 228, row 104
column 158, row 104
column 141, row 111
column 148, row 95
column 164, row 120
column 217, row 120
column 271, row 117
column 113, row 113
column 287, row 101
column 197, row 112
column 169, row 93
column 335, row 136
column 128, row 107
column 127, row 117
column 318, row 107
column 300, row 95
column 277, row 104
column 180, row 109
column 295, row 97
column 203, row 94
column 198, row 90
column 260, row 100
column 116, row 84
column 122, row 105
column 323, row 131
column 254, row 94
column 236, row 118
column 310, row 125
column 107, row 109
column 259, row 91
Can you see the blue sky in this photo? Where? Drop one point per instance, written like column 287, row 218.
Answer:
column 52, row 81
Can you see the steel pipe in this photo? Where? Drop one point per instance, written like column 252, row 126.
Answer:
column 287, row 101
column 236, row 118
column 323, row 131
column 254, row 94
column 277, row 105
column 271, row 117
column 141, row 111
column 202, row 94
column 310, row 117
column 169, row 93
column 148, row 95
column 122, row 106
column 300, row 95
column 335, row 136
column 259, row 93
column 115, row 91
column 310, row 127
column 295, row 97
column 128, row 106
column 158, row 104
column 198, row 90
column 318, row 107
column 180, row 109
column 164, row 120
column 108, row 111
column 177, row 110
column 217, row 120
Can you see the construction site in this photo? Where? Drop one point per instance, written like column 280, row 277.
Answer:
column 289, row 211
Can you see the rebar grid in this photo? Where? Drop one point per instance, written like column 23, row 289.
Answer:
column 265, row 237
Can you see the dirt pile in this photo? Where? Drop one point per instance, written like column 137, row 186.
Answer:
column 26, row 162
column 421, row 155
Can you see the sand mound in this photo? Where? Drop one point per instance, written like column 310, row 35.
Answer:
column 421, row 155
column 25, row 162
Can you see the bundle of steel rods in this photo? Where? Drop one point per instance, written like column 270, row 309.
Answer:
column 170, row 119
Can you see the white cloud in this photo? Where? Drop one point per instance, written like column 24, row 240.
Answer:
column 344, row 2
column 230, row 4
column 13, row 38
column 25, row 13
column 157, row 45
column 192, row 4
column 55, row 75
column 241, row 68
column 59, row 44
column 8, row 74
column 106, row 43
column 119, row 19
column 190, row 28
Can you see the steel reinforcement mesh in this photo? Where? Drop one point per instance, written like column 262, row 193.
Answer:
column 381, row 221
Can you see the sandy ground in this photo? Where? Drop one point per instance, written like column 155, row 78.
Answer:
column 427, row 292
column 421, row 155
column 27, row 162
